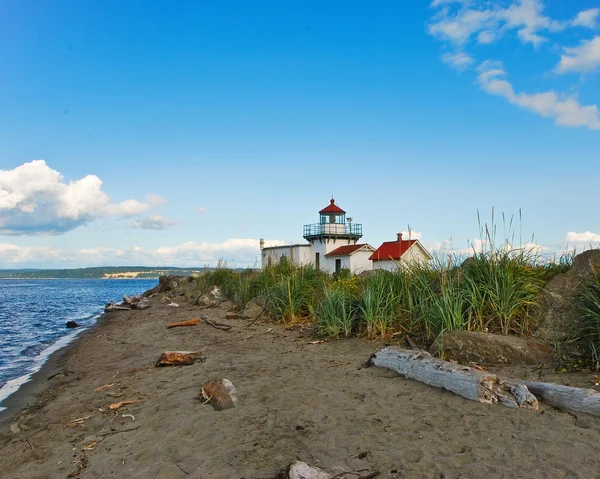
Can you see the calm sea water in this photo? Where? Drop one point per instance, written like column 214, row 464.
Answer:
column 33, row 316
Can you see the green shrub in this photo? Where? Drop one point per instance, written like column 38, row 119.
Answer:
column 336, row 314
column 589, row 306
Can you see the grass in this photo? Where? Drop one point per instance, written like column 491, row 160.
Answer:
column 589, row 307
column 495, row 290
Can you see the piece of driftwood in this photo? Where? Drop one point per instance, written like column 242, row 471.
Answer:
column 177, row 358
column 214, row 324
column 220, row 393
column 462, row 380
column 567, row 397
column 120, row 404
column 189, row 322
column 115, row 307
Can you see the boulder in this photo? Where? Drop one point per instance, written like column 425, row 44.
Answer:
column 141, row 304
column 167, row 284
column 72, row 324
column 301, row 470
column 211, row 299
column 254, row 308
column 557, row 314
column 483, row 348
column 193, row 291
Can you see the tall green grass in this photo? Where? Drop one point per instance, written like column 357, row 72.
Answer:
column 336, row 315
column 589, row 307
column 495, row 290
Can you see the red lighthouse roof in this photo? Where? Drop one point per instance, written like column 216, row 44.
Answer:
column 332, row 208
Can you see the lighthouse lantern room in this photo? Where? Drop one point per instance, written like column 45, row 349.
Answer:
column 333, row 227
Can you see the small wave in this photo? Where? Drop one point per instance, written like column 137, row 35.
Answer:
column 35, row 349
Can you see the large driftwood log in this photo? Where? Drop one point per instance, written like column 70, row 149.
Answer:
column 566, row 397
column 462, row 380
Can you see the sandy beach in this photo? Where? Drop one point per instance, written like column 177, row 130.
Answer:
column 297, row 401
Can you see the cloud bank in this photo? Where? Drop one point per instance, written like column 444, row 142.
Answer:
column 35, row 200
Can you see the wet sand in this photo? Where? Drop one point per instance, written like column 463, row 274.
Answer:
column 296, row 400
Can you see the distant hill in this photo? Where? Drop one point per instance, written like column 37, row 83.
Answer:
column 101, row 272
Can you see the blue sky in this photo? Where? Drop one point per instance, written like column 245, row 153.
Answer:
column 182, row 134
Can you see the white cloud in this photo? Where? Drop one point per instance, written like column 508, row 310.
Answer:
column 34, row 200
column 201, row 209
column 490, row 19
column 238, row 251
column 565, row 110
column 154, row 222
column 586, row 237
column 14, row 254
column 587, row 18
column 459, row 61
column 486, row 37
column 581, row 59
column 155, row 200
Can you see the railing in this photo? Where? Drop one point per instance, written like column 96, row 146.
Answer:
column 317, row 229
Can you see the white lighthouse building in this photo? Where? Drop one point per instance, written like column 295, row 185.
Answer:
column 332, row 244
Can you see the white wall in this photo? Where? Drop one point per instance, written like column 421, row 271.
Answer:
column 414, row 255
column 360, row 262
column 295, row 254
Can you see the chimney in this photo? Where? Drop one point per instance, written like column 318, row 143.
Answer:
column 262, row 243
column 399, row 237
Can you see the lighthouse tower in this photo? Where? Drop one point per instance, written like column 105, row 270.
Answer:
column 332, row 231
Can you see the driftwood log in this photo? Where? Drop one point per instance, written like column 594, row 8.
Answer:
column 462, row 380
column 177, row 358
column 566, row 397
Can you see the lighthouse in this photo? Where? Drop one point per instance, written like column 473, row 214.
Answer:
column 332, row 244
column 332, row 231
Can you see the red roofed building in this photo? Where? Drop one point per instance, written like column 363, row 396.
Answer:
column 393, row 254
column 353, row 257
column 332, row 244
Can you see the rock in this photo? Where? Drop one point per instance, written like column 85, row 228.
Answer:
column 128, row 300
column 72, row 324
column 216, row 295
column 177, row 358
column 557, row 313
column 193, row 291
column 482, row 348
column 220, row 393
column 206, row 302
column 254, row 308
column 301, row 470
column 141, row 304
column 232, row 316
column 166, row 284
column 14, row 428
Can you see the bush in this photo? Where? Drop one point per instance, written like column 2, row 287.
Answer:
column 336, row 314
column 589, row 305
